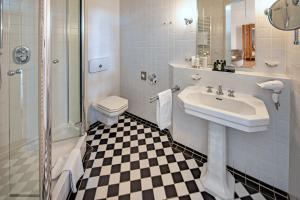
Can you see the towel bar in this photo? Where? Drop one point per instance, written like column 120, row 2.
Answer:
column 155, row 98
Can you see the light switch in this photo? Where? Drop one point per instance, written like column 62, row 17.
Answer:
column 143, row 75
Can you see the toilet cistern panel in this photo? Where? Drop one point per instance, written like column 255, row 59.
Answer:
column 99, row 64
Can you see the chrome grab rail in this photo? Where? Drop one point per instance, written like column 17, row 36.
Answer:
column 155, row 98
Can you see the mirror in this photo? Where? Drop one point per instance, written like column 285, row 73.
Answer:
column 226, row 31
column 284, row 14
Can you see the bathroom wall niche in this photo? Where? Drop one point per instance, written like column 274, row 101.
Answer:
column 226, row 31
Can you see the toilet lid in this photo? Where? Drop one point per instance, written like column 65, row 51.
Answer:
column 112, row 103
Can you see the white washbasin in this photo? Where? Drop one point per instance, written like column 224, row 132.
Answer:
column 243, row 112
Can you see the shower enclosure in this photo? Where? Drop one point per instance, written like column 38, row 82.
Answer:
column 65, row 69
column 40, row 90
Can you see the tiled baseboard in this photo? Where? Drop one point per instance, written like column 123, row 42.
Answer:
column 266, row 189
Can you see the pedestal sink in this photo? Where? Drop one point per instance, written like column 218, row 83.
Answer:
column 242, row 112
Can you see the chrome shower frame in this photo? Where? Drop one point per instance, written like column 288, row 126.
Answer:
column 83, row 70
column 44, row 55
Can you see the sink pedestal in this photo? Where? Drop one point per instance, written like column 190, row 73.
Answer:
column 215, row 178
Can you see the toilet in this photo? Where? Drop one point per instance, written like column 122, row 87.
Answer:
column 109, row 109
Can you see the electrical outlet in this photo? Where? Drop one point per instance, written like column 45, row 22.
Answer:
column 143, row 76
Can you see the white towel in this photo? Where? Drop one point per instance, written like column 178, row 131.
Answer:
column 164, row 109
column 75, row 168
column 58, row 167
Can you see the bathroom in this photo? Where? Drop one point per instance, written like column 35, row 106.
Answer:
column 149, row 99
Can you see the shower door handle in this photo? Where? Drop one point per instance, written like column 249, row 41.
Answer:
column 55, row 61
column 15, row 72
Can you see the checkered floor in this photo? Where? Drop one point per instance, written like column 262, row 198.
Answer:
column 19, row 173
column 133, row 161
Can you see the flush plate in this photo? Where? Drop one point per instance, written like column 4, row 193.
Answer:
column 99, row 64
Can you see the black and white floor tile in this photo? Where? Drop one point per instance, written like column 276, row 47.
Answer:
column 131, row 160
column 19, row 172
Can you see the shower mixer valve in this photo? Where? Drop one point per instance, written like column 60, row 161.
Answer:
column 21, row 55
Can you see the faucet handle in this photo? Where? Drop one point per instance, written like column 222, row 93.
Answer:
column 209, row 89
column 231, row 93
column 220, row 90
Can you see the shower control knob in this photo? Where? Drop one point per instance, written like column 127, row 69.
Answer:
column 21, row 55
column 55, row 61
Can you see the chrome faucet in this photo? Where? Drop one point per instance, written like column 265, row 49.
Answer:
column 220, row 90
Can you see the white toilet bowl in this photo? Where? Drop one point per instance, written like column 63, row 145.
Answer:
column 109, row 109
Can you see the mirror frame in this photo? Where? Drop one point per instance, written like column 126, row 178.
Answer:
column 268, row 12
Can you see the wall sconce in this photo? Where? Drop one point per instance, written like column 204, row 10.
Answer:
column 188, row 21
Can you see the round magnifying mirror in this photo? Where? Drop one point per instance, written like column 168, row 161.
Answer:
column 284, row 14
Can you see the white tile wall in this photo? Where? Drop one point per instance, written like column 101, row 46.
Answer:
column 148, row 43
column 270, row 42
column 102, row 31
column 293, row 69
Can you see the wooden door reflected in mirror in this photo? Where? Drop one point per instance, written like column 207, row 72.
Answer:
column 248, row 41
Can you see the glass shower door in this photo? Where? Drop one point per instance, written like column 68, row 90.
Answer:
column 22, row 51
column 65, row 69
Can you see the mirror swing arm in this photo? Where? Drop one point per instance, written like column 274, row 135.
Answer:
column 296, row 33
column 296, row 37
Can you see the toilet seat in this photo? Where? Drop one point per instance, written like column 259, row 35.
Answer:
column 109, row 109
column 112, row 104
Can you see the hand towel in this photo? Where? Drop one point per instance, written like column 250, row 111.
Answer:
column 75, row 168
column 164, row 109
column 57, row 168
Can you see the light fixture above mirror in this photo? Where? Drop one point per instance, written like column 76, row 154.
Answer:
column 188, row 21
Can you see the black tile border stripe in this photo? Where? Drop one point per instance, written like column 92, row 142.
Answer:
column 151, row 125
column 93, row 126
column 267, row 190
